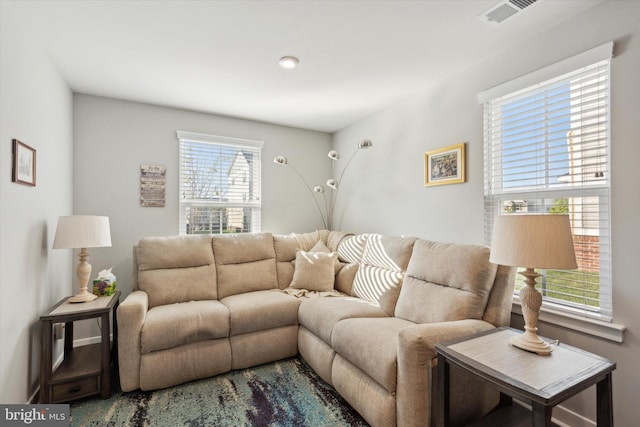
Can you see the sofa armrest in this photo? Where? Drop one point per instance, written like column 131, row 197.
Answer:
column 132, row 313
column 424, row 337
column 416, row 365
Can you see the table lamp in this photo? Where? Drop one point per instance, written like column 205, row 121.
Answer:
column 542, row 241
column 82, row 232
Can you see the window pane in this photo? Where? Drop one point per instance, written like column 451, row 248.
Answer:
column 581, row 286
column 220, row 187
column 546, row 151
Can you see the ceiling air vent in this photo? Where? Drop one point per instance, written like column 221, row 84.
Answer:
column 505, row 9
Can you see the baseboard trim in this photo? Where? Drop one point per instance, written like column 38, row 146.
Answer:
column 89, row 341
column 567, row 418
column 564, row 417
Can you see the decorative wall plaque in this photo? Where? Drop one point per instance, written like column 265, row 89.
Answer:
column 152, row 185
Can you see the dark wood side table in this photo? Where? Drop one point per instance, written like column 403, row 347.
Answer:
column 85, row 370
column 542, row 381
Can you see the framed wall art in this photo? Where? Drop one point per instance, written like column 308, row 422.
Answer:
column 24, row 164
column 152, row 185
column 445, row 165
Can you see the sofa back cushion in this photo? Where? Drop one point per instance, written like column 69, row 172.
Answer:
column 350, row 249
column 176, row 269
column 244, row 263
column 446, row 281
column 498, row 310
column 286, row 246
column 382, row 268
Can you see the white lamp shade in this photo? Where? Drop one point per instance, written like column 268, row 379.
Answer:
column 82, row 231
column 533, row 240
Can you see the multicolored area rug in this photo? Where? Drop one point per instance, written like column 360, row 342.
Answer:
column 285, row 393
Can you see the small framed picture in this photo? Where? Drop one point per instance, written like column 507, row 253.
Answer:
column 24, row 164
column 445, row 165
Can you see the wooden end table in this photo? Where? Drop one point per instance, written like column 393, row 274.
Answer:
column 85, row 370
column 542, row 381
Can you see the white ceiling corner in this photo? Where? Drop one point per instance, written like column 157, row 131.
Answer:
column 221, row 57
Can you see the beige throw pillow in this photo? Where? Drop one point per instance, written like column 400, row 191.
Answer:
column 321, row 247
column 315, row 271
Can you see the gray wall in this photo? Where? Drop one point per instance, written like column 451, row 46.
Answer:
column 381, row 192
column 35, row 107
column 112, row 138
column 394, row 201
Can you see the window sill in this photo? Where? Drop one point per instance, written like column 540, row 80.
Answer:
column 597, row 328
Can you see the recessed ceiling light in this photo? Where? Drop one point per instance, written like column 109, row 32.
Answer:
column 288, row 62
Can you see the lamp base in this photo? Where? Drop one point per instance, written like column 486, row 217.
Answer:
column 83, row 296
column 530, row 302
column 84, row 272
column 529, row 341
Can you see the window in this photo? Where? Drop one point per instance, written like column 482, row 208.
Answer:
column 547, row 151
column 220, row 190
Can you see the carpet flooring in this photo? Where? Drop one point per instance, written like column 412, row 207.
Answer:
column 280, row 394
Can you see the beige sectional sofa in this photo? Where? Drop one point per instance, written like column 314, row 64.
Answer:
column 364, row 311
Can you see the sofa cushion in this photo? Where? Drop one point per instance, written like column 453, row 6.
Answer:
column 334, row 238
column 371, row 345
column 315, row 271
column 306, row 241
column 172, row 325
column 381, row 270
column 188, row 362
column 321, row 247
column 286, row 247
column 319, row 315
column 174, row 252
column 260, row 310
column 344, row 278
column 376, row 405
column 176, row 269
column 244, row 263
column 257, row 348
column 351, row 248
column 446, row 281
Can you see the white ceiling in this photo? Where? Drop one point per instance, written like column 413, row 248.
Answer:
column 221, row 57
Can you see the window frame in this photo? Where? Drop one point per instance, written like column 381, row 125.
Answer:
column 212, row 143
column 597, row 322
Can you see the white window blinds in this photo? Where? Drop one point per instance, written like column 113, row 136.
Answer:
column 547, row 151
column 220, row 184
